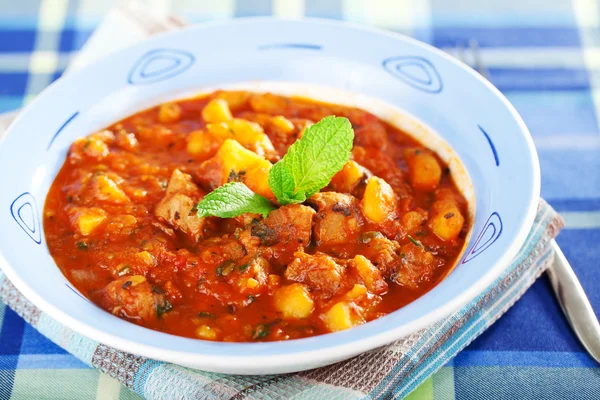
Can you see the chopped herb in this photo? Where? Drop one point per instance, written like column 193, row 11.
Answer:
column 236, row 176
column 206, row 314
column 342, row 208
column 70, row 199
column 82, row 246
column 449, row 215
column 260, row 331
column 231, row 308
column 267, row 235
column 164, row 184
column 163, row 308
column 251, row 298
column 402, row 255
column 126, row 284
column 415, row 242
column 244, row 267
column 225, row 268
column 87, row 143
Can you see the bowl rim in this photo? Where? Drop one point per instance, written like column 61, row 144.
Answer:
column 290, row 361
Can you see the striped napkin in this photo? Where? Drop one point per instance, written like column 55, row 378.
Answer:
column 389, row 372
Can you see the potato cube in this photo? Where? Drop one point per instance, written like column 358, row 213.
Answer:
column 282, row 123
column 126, row 140
column 447, row 220
column 424, row 171
column 87, row 219
column 251, row 283
column 379, row 200
column 294, row 301
column 206, row 332
column 216, row 110
column 248, row 134
column 257, row 179
column 247, row 166
column 107, row 190
column 341, row 316
column 169, row 112
column 93, row 146
column 268, row 103
column 356, row 292
column 145, row 258
column 202, row 144
column 235, row 99
column 274, row 280
column 350, row 176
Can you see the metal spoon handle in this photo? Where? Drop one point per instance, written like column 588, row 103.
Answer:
column 575, row 303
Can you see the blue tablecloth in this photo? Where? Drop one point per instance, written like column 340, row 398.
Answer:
column 544, row 56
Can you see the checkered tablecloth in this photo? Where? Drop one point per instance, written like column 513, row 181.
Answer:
column 543, row 54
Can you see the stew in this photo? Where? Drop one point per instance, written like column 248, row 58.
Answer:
column 121, row 222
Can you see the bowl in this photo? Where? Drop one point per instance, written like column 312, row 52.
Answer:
column 428, row 93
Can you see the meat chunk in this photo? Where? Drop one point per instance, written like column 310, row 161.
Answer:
column 338, row 219
column 381, row 251
column 217, row 251
column 369, row 274
column 371, row 133
column 284, row 231
column 182, row 183
column 417, row 266
column 413, row 220
column 319, row 272
column 132, row 297
column 177, row 207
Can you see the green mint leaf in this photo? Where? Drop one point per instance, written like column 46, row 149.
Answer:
column 312, row 161
column 281, row 183
column 231, row 200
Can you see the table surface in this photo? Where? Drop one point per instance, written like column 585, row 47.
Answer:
column 544, row 55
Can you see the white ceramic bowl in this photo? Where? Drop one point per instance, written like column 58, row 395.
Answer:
column 406, row 82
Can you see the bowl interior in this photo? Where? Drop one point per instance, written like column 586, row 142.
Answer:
column 444, row 96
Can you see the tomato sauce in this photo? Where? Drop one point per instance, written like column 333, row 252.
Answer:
column 120, row 222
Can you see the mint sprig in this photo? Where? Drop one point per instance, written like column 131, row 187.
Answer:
column 231, row 200
column 309, row 165
column 312, row 161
